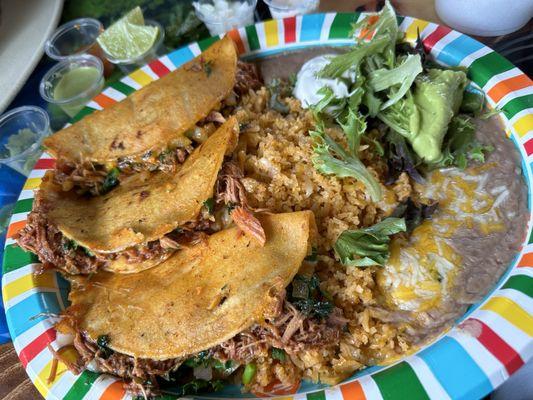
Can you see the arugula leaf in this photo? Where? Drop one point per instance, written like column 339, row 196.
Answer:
column 491, row 113
column 389, row 79
column 368, row 246
column 331, row 159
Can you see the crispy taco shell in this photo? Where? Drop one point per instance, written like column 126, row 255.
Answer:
column 152, row 118
column 144, row 207
column 199, row 297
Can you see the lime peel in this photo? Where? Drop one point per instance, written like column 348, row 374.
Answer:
column 128, row 37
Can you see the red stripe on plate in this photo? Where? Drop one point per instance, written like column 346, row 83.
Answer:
column 289, row 25
column 159, row 68
column 497, row 346
column 38, row 344
column 431, row 40
column 45, row 163
column 529, row 147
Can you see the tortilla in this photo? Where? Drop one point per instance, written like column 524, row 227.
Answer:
column 199, row 297
column 145, row 206
column 155, row 117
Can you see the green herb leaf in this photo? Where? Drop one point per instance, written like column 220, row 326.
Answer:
column 278, row 354
column 111, row 180
column 209, row 204
column 368, row 246
column 313, row 257
column 473, row 102
column 103, row 342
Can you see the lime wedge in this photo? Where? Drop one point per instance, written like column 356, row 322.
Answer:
column 128, row 37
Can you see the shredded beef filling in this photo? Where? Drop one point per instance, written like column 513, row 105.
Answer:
column 289, row 330
column 55, row 250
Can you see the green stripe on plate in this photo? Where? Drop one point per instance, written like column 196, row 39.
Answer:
column 205, row 43
column 342, row 25
column 514, row 106
column 400, row 19
column 522, row 283
column 253, row 39
column 122, row 88
column 82, row 114
column 484, row 68
column 316, row 395
column 16, row 258
column 400, row 382
column 23, row 206
column 530, row 238
column 82, row 385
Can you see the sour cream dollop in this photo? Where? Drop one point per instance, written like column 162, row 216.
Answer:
column 308, row 84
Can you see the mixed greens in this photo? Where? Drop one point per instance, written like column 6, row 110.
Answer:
column 423, row 112
column 417, row 101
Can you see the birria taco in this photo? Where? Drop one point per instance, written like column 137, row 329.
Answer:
column 204, row 302
column 144, row 220
column 154, row 128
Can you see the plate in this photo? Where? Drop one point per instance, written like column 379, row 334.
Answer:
column 23, row 31
column 492, row 340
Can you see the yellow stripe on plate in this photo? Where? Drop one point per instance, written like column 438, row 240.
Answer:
column 41, row 383
column 27, row 282
column 271, row 33
column 512, row 312
column 32, row 183
column 524, row 124
column 141, row 77
column 411, row 31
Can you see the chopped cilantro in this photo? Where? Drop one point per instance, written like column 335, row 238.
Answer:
column 279, row 354
column 209, row 204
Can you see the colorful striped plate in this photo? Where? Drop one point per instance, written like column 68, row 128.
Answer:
column 459, row 365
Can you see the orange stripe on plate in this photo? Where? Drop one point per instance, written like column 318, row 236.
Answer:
column 512, row 312
column 503, row 88
column 14, row 228
column 523, row 125
column 32, row 183
column 526, row 260
column 114, row 391
column 236, row 37
column 352, row 391
column 104, row 100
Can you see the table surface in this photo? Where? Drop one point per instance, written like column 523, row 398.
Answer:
column 14, row 383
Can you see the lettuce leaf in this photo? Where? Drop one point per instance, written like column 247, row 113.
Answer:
column 397, row 80
column 330, row 158
column 460, row 144
column 368, row 246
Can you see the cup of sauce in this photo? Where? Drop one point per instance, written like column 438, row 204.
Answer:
column 73, row 82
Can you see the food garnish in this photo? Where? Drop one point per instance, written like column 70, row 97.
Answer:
column 369, row 246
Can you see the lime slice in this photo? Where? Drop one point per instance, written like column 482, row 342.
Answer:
column 128, row 37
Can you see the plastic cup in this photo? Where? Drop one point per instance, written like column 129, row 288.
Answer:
column 31, row 118
column 219, row 19
column 75, row 38
column 73, row 104
column 290, row 8
column 129, row 65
